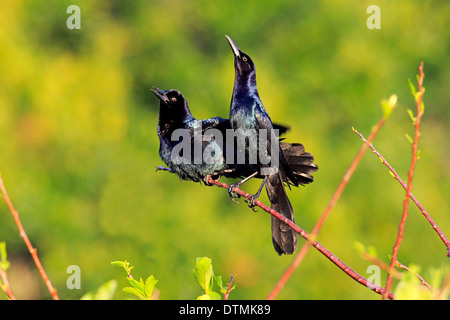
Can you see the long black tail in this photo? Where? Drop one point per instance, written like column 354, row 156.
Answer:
column 285, row 239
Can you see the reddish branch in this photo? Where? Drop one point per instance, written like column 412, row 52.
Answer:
column 413, row 198
column 229, row 288
column 314, row 243
column 337, row 194
column 31, row 249
column 401, row 227
column 422, row 280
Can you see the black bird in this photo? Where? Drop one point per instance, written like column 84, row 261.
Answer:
column 247, row 112
column 174, row 114
column 179, row 155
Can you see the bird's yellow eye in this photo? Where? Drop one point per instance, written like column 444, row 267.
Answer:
column 244, row 59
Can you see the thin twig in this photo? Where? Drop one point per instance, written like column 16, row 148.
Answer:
column 337, row 194
column 413, row 198
column 31, row 249
column 402, row 266
column 307, row 237
column 229, row 288
column 381, row 264
column 401, row 227
column 5, row 286
column 397, row 274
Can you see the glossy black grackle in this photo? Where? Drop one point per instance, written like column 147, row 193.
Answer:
column 247, row 112
column 182, row 136
column 179, row 134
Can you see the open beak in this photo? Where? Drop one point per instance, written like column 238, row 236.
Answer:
column 234, row 47
column 160, row 94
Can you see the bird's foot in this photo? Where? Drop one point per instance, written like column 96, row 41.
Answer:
column 232, row 193
column 251, row 201
column 215, row 176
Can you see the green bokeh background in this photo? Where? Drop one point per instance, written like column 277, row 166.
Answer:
column 79, row 147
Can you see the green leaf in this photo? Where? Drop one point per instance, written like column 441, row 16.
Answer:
column 371, row 250
column 125, row 264
column 360, row 248
column 3, row 255
column 134, row 292
column 4, row 263
column 220, row 284
column 203, row 273
column 234, row 285
column 88, row 296
column 139, row 285
column 412, row 88
column 363, row 250
column 214, row 295
column 118, row 263
column 388, row 106
column 105, row 292
column 417, row 96
column 422, row 107
column 210, row 296
column 411, row 115
column 408, row 137
column 150, row 284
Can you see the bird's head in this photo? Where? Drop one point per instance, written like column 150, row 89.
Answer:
column 172, row 103
column 169, row 98
column 243, row 64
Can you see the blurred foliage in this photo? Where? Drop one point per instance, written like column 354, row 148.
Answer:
column 105, row 292
column 79, row 146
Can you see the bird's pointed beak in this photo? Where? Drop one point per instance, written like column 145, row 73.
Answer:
column 160, row 94
column 234, row 47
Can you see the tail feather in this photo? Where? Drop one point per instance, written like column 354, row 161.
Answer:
column 283, row 237
column 300, row 161
column 285, row 240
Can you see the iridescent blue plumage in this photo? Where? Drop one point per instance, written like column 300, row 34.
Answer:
column 247, row 112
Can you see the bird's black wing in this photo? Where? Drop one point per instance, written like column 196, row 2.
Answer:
column 263, row 122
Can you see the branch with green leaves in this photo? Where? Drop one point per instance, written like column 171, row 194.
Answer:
column 395, row 175
column 4, row 265
column 387, row 107
column 203, row 273
column 141, row 290
column 420, row 109
column 411, row 285
column 416, row 120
